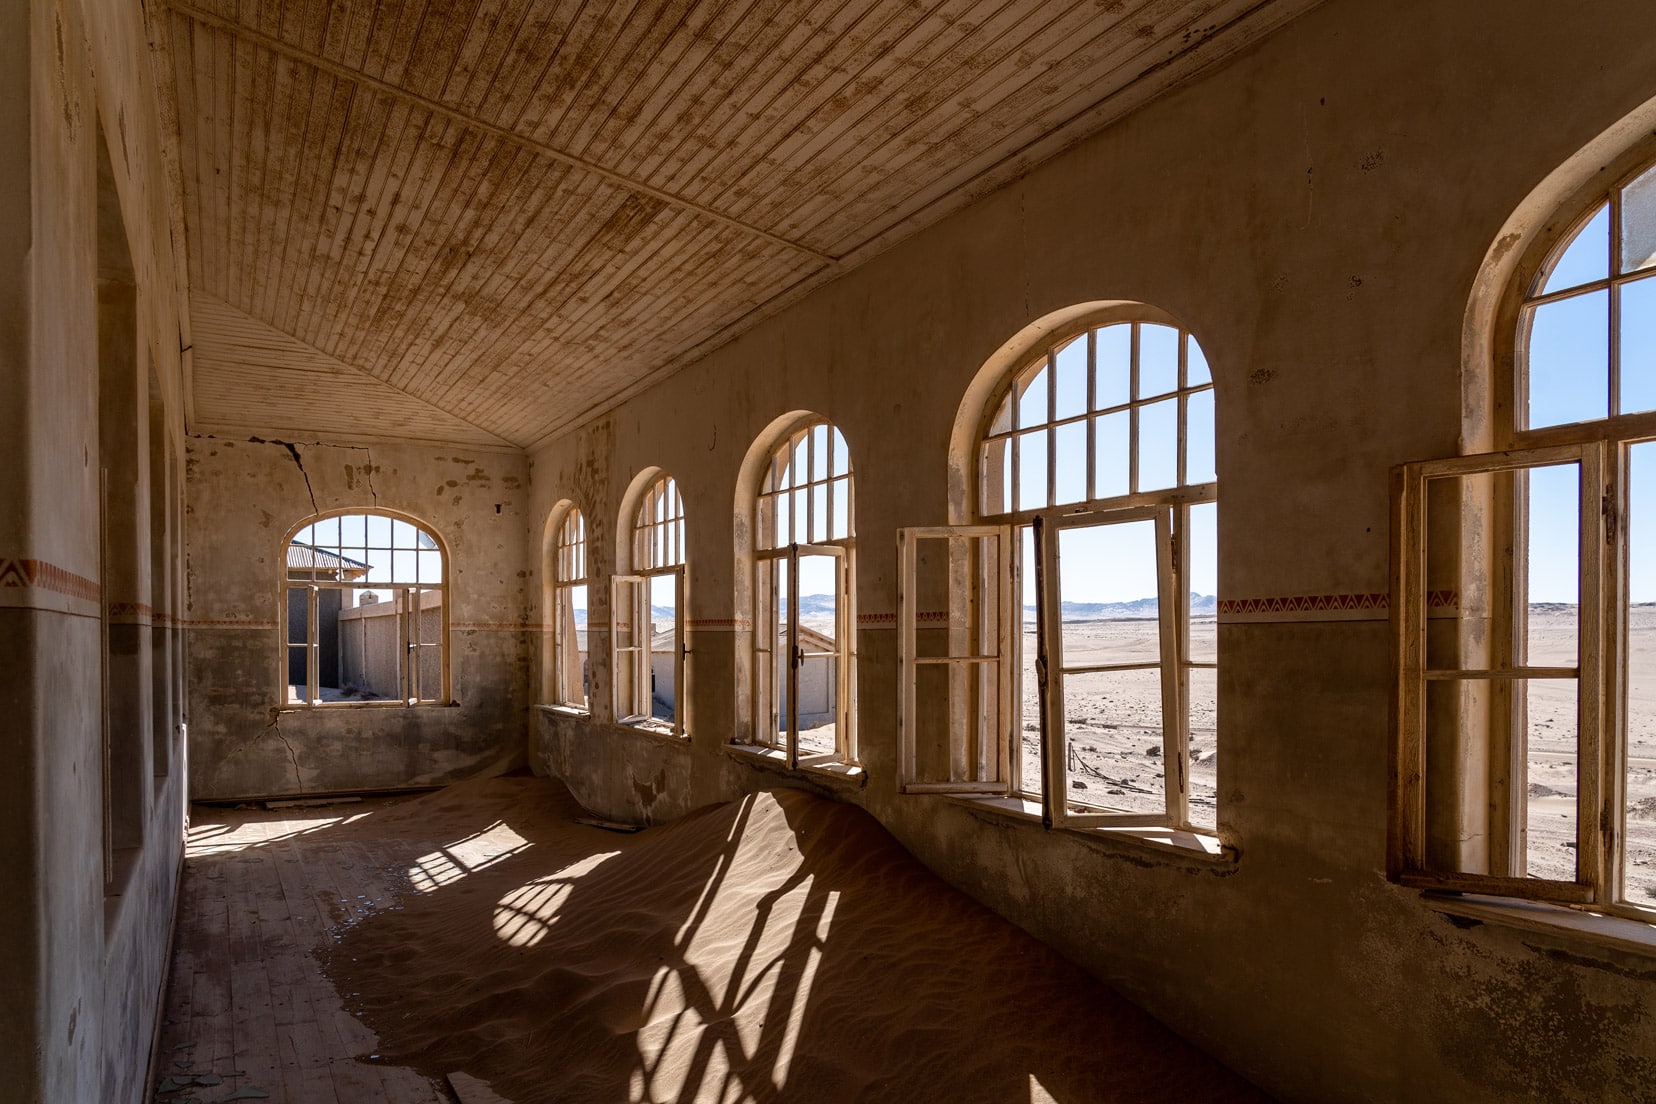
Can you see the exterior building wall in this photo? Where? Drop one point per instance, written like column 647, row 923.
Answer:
column 1317, row 212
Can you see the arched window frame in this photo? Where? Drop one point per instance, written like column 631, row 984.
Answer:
column 784, row 536
column 651, row 557
column 406, row 593
column 1461, row 801
column 564, row 681
column 977, row 574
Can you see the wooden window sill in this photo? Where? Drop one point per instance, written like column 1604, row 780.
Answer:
column 1568, row 927
column 1198, row 847
column 845, row 776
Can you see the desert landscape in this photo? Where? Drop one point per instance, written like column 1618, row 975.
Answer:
column 1115, row 733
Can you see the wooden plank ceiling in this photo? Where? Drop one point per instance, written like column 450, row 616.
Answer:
column 491, row 220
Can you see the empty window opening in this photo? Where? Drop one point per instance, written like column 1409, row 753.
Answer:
column 1065, row 651
column 647, row 603
column 804, row 560
column 366, row 612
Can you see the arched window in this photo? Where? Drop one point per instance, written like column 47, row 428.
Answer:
column 366, row 610
column 1526, row 756
column 647, row 646
column 804, row 560
column 565, row 681
column 1093, row 564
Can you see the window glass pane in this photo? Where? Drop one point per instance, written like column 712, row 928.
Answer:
column 1199, row 439
column 801, row 514
column 1586, row 258
column 1202, row 581
column 1158, row 360
column 1638, row 222
column 1032, row 470
column 430, row 566
column 782, row 530
column 1568, row 360
column 1639, row 848
column 403, row 568
column 1071, row 395
column 1115, row 358
column 1204, row 748
column 402, row 535
column 1113, row 732
column 1003, row 417
column 1554, row 561
column 1553, row 762
column 663, row 643
column 1070, row 476
column 1032, row 400
column 1107, row 586
column 1110, row 467
column 1158, row 453
column 995, row 470
column 819, row 452
column 842, row 509
column 353, row 530
column 1638, row 346
column 819, row 513
column 1196, row 368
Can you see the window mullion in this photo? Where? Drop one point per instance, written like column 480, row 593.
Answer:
column 1049, row 679
column 1591, row 813
column 1175, row 738
column 313, row 663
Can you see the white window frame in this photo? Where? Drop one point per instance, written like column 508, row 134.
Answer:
column 773, row 727
column 1169, row 508
column 405, row 595
column 569, row 569
column 980, row 612
column 655, row 549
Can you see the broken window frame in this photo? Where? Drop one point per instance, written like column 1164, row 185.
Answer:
column 569, row 571
column 827, row 464
column 405, row 595
column 655, row 549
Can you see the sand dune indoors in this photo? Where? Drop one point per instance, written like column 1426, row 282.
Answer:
column 782, row 947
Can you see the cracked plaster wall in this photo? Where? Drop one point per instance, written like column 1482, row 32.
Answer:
column 244, row 497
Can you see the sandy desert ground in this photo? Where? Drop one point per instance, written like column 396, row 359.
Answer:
column 781, row 947
column 1115, row 757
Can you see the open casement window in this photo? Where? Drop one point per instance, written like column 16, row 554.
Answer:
column 365, row 612
column 958, row 643
column 647, row 660
column 1085, row 756
column 804, row 655
column 1505, row 779
column 801, row 694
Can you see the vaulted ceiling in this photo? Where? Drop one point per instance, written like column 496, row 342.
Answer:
column 488, row 221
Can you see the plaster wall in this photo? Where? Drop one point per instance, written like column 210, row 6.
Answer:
column 86, row 936
column 246, row 497
column 1316, row 212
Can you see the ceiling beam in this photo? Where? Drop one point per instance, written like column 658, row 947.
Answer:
column 436, row 107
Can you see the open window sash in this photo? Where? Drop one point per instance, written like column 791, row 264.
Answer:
column 798, row 657
column 680, row 646
column 630, row 648
column 1053, row 668
column 1459, row 772
column 423, row 672
column 958, row 628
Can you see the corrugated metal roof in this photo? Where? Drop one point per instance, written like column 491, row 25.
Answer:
column 307, row 557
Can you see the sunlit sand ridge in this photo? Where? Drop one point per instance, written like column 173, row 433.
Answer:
column 780, row 947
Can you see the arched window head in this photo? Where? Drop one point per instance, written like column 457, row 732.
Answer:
column 804, row 563
column 1587, row 323
column 366, row 611
column 647, row 608
column 1096, row 551
column 566, row 672
column 1120, row 409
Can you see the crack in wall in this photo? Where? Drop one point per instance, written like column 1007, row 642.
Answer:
column 275, row 729
column 293, row 451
